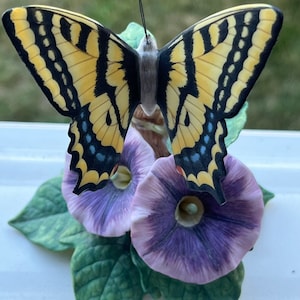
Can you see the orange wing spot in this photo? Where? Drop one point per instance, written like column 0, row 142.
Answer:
column 180, row 171
column 114, row 170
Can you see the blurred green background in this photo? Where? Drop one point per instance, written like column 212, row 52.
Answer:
column 274, row 100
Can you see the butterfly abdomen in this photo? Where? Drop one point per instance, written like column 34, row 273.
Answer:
column 148, row 73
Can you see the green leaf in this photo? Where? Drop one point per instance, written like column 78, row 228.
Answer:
column 267, row 195
column 46, row 217
column 133, row 34
column 235, row 125
column 159, row 285
column 76, row 235
column 102, row 269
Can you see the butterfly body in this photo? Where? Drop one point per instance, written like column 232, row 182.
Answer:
column 148, row 72
column 199, row 79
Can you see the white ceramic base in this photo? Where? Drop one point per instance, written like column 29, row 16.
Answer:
column 32, row 153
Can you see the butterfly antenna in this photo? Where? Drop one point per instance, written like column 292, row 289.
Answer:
column 143, row 20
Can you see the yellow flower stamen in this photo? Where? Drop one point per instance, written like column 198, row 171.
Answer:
column 189, row 211
column 122, row 178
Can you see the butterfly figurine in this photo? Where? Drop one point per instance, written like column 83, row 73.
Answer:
column 199, row 79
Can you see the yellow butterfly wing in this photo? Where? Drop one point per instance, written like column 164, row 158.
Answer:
column 88, row 74
column 205, row 75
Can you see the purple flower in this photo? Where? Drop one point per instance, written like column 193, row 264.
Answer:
column 106, row 211
column 185, row 234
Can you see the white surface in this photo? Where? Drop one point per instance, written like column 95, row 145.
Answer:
column 33, row 153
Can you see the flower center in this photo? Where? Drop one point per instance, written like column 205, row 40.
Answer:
column 122, row 178
column 189, row 211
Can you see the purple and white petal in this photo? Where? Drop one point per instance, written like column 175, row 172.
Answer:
column 185, row 234
column 106, row 211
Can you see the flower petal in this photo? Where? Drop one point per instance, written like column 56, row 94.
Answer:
column 208, row 250
column 106, row 211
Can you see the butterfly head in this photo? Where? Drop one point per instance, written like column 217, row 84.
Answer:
column 147, row 45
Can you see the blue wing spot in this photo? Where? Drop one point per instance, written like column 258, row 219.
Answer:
column 88, row 138
column 203, row 150
column 195, row 157
column 92, row 149
column 84, row 126
column 185, row 158
column 100, row 157
column 206, row 139
column 209, row 127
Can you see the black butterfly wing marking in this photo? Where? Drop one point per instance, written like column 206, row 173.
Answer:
column 205, row 76
column 88, row 74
